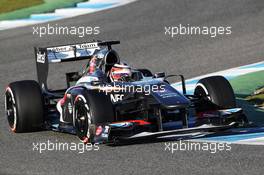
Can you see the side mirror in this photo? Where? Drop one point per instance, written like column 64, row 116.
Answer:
column 96, row 83
column 159, row 75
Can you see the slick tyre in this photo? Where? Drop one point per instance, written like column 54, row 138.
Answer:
column 24, row 106
column 91, row 108
column 218, row 90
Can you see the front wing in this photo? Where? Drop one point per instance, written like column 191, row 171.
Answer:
column 140, row 130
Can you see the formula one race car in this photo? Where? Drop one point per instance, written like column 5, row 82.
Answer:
column 110, row 102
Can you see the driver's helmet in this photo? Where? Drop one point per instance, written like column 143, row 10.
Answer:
column 120, row 72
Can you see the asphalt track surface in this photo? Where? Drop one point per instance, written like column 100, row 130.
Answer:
column 140, row 27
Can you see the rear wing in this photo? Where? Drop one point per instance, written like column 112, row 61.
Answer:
column 65, row 53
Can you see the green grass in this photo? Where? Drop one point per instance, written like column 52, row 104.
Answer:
column 25, row 12
column 244, row 86
column 11, row 5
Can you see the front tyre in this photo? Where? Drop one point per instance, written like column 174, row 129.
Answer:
column 24, row 106
column 217, row 90
column 91, row 108
column 219, row 93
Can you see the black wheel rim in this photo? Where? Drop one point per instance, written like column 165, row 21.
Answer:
column 199, row 91
column 81, row 120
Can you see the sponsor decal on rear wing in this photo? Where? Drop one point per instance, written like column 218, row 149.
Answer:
column 66, row 53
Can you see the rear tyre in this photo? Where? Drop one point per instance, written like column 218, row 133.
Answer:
column 90, row 109
column 218, row 90
column 24, row 106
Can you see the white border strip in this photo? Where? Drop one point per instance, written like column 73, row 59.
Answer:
column 81, row 8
